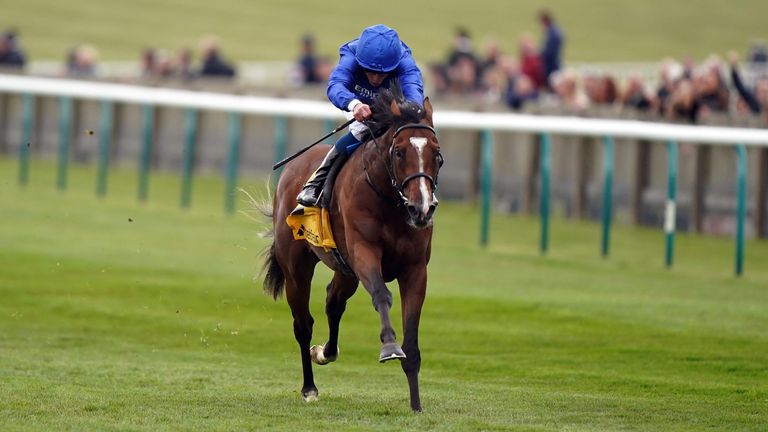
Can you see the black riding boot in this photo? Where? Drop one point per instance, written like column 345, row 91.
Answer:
column 311, row 191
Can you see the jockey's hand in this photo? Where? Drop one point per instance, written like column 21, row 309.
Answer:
column 361, row 112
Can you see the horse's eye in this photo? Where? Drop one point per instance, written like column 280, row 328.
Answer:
column 439, row 159
column 398, row 153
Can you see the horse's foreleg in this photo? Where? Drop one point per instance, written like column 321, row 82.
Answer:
column 340, row 289
column 413, row 287
column 382, row 302
column 370, row 276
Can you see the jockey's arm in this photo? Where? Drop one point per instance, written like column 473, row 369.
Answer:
column 341, row 79
column 410, row 77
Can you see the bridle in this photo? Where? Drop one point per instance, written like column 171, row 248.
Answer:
column 399, row 187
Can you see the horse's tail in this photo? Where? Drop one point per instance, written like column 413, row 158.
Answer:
column 274, row 279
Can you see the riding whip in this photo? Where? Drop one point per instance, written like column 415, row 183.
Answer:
column 298, row 153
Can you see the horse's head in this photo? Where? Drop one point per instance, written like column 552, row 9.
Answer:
column 413, row 157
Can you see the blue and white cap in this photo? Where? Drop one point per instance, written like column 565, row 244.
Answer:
column 379, row 49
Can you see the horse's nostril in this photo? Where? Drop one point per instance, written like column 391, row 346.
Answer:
column 431, row 210
column 413, row 212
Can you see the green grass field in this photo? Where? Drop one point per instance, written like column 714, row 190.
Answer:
column 597, row 30
column 121, row 316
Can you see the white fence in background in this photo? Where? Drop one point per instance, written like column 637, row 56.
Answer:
column 319, row 110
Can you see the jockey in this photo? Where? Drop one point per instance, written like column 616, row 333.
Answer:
column 365, row 65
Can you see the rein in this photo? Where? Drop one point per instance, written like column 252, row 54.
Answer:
column 399, row 187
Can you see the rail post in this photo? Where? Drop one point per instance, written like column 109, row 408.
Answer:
column 233, row 136
column 741, row 206
column 607, row 210
column 105, row 138
column 545, row 166
column 670, row 209
column 281, row 143
column 145, row 157
column 27, row 120
column 65, row 136
column 486, row 176
column 328, row 125
column 190, row 139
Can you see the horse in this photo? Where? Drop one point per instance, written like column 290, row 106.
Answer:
column 381, row 211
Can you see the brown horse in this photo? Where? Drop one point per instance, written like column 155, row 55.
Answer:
column 381, row 214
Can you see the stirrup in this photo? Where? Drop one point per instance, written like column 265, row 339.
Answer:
column 298, row 211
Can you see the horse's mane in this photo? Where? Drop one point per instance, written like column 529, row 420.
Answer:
column 383, row 117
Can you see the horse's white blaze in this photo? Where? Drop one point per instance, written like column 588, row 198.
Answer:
column 419, row 144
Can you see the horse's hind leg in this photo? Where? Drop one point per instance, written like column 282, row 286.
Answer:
column 297, row 290
column 341, row 288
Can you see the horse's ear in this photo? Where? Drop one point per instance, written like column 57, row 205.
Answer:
column 428, row 109
column 394, row 108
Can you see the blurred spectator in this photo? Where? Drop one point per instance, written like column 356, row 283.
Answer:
column 213, row 64
column 530, row 62
column 758, row 54
column 683, row 104
column 148, row 62
column 520, row 87
column 669, row 74
column 308, row 63
column 565, row 85
column 463, row 67
column 688, row 67
column 552, row 45
column 756, row 100
column 492, row 57
column 183, row 64
column 81, row 61
column 463, row 75
column 600, row 89
column 11, row 54
column 710, row 89
column 440, row 80
column 462, row 48
column 164, row 67
column 636, row 96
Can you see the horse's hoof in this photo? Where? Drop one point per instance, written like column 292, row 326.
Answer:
column 317, row 353
column 309, row 395
column 390, row 351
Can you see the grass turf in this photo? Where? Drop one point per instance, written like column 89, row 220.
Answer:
column 121, row 316
column 596, row 30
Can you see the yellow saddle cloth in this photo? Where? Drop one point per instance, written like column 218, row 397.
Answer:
column 312, row 224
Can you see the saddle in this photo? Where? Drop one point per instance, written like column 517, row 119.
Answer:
column 313, row 224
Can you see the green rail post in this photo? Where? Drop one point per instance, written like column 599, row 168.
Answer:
column 281, row 143
column 670, row 213
column 65, row 136
column 145, row 156
column 486, row 177
column 741, row 207
column 27, row 120
column 329, row 125
column 607, row 210
column 545, row 165
column 232, row 161
column 105, row 138
column 190, row 139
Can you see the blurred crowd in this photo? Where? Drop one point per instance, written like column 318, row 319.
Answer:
column 82, row 60
column 531, row 79
column 535, row 78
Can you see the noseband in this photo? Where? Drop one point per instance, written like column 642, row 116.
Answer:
column 400, row 187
